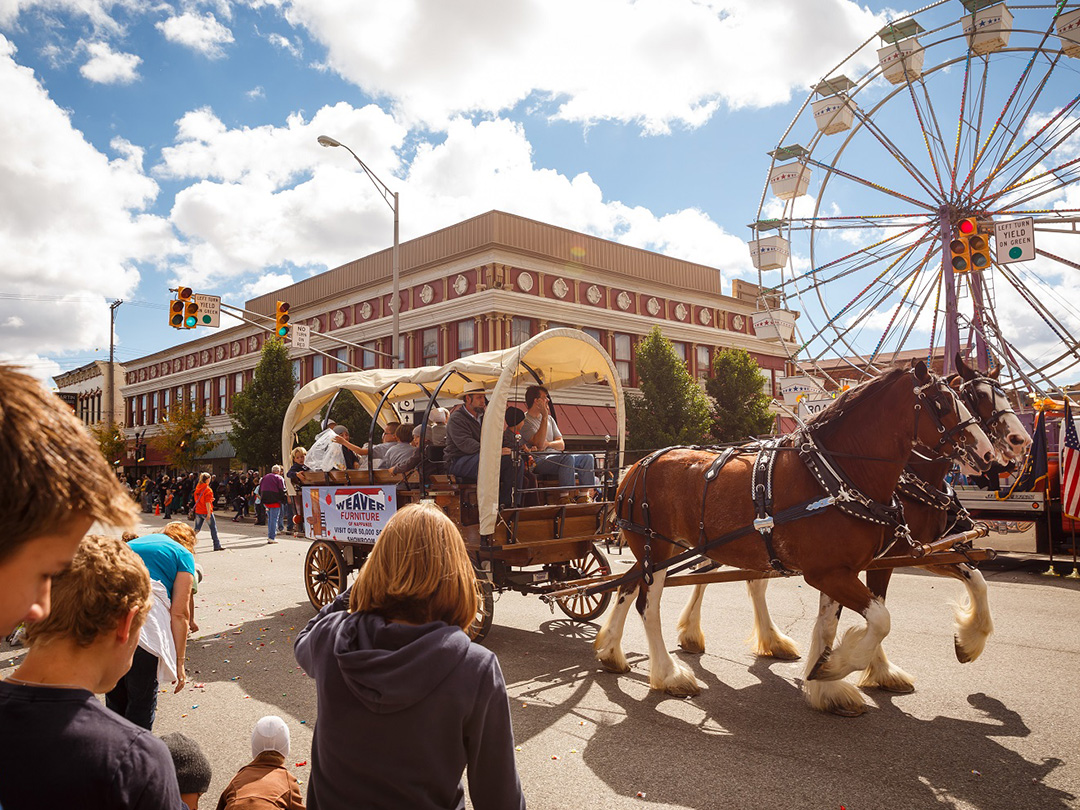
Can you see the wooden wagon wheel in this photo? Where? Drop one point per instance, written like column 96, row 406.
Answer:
column 580, row 607
column 478, row 630
column 325, row 573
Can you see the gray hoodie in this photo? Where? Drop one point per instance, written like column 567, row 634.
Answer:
column 403, row 709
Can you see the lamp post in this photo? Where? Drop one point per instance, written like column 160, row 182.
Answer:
column 391, row 198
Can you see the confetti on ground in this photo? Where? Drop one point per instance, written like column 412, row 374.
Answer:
column 517, row 747
column 976, row 773
column 195, row 706
column 247, row 697
column 573, row 750
column 641, row 794
column 183, row 715
column 301, row 764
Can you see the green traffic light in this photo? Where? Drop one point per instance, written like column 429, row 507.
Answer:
column 283, row 331
column 190, row 321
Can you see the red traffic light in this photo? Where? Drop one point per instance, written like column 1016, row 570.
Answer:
column 967, row 226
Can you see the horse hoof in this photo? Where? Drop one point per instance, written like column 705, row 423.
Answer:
column 842, row 711
column 897, row 688
column 818, row 672
column 618, row 669
column 692, row 647
column 961, row 654
column 683, row 690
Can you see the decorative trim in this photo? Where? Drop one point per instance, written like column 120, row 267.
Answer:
column 204, row 356
column 680, row 311
column 178, row 365
column 737, row 322
column 461, row 284
column 623, row 300
column 653, row 306
column 560, row 288
column 705, row 316
column 219, row 353
column 593, row 294
column 253, row 343
column 365, row 310
column 427, row 294
column 236, row 348
column 525, row 282
column 339, row 319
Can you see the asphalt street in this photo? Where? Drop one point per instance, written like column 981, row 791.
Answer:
column 1000, row 732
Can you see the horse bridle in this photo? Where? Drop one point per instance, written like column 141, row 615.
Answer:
column 967, row 393
column 954, row 436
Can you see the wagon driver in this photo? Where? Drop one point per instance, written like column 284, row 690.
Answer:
column 463, row 442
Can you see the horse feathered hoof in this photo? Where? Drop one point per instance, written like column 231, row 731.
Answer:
column 962, row 655
column 842, row 711
column 835, row 697
column 680, row 683
column 615, row 666
column 692, row 646
column 817, row 673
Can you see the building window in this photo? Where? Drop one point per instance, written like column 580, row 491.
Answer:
column 704, row 364
column 520, row 330
column 466, row 338
column 296, row 375
column 206, row 401
column 238, row 382
column 316, row 366
column 769, row 386
column 165, row 401
column 401, row 343
column 622, row 357
column 193, row 396
column 133, row 409
column 222, row 391
column 595, row 335
column 430, row 347
column 154, row 408
column 680, row 350
column 342, row 356
column 367, row 359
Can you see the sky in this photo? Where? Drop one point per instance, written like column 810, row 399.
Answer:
column 148, row 144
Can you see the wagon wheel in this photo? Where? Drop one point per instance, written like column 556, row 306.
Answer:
column 325, row 573
column 580, row 607
column 948, row 135
column 485, row 610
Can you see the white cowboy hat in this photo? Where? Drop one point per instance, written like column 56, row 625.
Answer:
column 473, row 388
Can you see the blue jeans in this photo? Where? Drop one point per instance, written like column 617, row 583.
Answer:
column 465, row 469
column 273, row 515
column 572, row 468
column 199, row 519
column 135, row 695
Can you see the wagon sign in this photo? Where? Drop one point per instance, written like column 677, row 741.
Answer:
column 348, row 514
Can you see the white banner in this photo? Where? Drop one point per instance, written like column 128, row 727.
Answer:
column 348, row 514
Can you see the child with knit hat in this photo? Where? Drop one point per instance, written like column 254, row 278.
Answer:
column 193, row 772
column 265, row 782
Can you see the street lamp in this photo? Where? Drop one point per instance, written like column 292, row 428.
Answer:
column 391, row 198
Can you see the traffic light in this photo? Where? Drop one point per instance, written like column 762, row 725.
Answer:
column 176, row 313
column 960, row 246
column 979, row 247
column 191, row 308
column 281, row 316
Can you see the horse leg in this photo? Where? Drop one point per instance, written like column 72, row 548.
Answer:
column 882, row 673
column 838, row 697
column 665, row 673
column 856, row 648
column 608, row 644
column 765, row 637
column 974, row 624
column 691, row 638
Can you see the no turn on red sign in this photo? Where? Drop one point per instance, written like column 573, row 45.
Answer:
column 1015, row 240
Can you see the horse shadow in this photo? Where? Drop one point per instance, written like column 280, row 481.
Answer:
column 758, row 745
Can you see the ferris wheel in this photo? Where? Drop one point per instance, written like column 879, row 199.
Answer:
column 927, row 195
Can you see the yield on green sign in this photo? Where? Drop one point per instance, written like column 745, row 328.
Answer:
column 1015, row 240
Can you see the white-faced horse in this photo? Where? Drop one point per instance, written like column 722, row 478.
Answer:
column 824, row 508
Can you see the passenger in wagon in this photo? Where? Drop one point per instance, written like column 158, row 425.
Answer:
column 391, row 658
column 463, row 443
column 543, row 435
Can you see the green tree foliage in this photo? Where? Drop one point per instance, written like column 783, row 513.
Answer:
column 740, row 407
column 111, row 440
column 346, row 411
column 184, row 436
column 671, row 408
column 259, row 410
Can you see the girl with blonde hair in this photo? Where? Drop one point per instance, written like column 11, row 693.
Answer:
column 391, row 660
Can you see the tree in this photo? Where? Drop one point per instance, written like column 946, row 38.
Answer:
column 184, row 436
column 259, row 410
column 111, row 441
column 740, row 405
column 347, row 411
column 671, row 408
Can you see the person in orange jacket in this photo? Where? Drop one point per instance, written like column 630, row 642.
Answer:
column 204, row 508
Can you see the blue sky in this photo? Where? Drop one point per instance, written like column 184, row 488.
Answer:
column 146, row 144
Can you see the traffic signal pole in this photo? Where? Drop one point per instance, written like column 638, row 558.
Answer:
column 952, row 325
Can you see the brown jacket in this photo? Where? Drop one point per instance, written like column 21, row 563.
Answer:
column 262, row 784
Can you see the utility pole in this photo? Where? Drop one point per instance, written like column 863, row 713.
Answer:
column 111, row 419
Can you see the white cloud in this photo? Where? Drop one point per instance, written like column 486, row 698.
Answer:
column 256, row 92
column 278, row 41
column 269, row 197
column 72, row 222
column 107, row 66
column 657, row 63
column 202, row 33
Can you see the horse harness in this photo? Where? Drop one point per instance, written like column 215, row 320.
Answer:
column 840, row 492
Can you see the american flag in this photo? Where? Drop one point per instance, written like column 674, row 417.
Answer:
column 1070, row 468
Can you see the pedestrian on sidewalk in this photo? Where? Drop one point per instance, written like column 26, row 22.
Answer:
column 204, row 508
column 272, row 495
column 299, row 454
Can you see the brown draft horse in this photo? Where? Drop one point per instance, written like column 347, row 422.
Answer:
column 868, row 433
column 928, row 518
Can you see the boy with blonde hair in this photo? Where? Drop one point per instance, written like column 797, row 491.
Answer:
column 60, row 747
column 57, row 485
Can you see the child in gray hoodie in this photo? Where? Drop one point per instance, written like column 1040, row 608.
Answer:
column 406, row 700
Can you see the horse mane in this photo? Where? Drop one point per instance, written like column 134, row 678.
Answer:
column 852, row 398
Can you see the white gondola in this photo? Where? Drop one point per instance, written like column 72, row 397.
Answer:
column 901, row 61
column 769, row 252
column 779, row 324
column 988, row 27
column 790, row 180
column 1068, row 31
column 833, row 112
